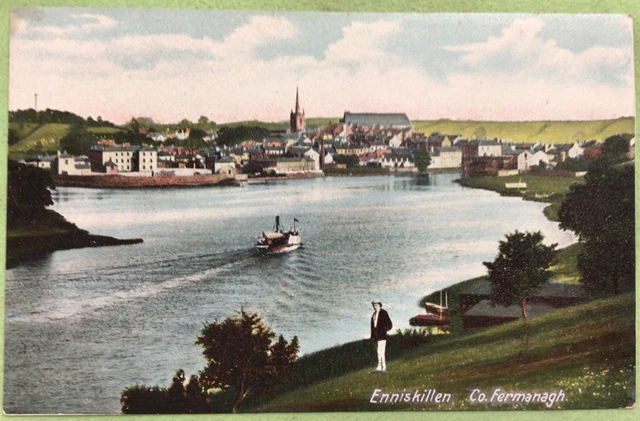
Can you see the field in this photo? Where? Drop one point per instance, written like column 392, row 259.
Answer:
column 587, row 351
column 43, row 140
column 557, row 132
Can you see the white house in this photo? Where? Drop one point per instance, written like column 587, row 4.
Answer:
column 525, row 160
column 528, row 159
column 446, row 158
column 315, row 155
column 397, row 160
column 224, row 165
column 540, row 158
column 182, row 134
column 489, row 148
column 575, row 151
column 157, row 137
column 395, row 141
column 73, row 165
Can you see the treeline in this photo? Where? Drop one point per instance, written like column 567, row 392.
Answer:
column 50, row 116
column 229, row 136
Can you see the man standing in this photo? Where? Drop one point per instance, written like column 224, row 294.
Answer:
column 380, row 325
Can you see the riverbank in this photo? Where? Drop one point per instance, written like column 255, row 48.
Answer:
column 539, row 188
column 49, row 234
column 587, row 351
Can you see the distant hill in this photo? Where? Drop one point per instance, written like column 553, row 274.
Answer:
column 531, row 131
column 29, row 137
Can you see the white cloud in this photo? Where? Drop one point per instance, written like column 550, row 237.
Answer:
column 95, row 23
column 362, row 42
column 228, row 80
column 520, row 49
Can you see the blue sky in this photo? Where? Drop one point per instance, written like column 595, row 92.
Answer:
column 230, row 66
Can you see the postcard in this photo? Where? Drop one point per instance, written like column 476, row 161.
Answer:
column 295, row 212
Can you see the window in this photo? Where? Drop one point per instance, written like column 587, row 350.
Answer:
column 66, row 162
column 144, row 168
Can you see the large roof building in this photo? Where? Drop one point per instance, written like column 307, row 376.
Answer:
column 371, row 120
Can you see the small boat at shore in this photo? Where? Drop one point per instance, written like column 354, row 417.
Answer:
column 279, row 241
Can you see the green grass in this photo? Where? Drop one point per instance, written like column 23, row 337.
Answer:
column 45, row 139
column 566, row 268
column 557, row 132
column 23, row 129
column 540, row 188
column 104, row 130
column 586, row 350
column 537, row 185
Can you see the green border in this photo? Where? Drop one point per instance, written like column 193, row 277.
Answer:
column 630, row 7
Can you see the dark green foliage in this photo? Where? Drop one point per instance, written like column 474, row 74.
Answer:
column 53, row 116
column 44, row 117
column 520, row 269
column 229, row 136
column 602, row 213
column 177, row 399
column 13, row 137
column 616, row 147
column 144, row 400
column 28, row 192
column 573, row 164
column 78, row 140
column 422, row 160
column 352, row 161
column 240, row 355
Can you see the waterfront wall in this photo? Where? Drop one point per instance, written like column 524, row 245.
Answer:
column 117, row 181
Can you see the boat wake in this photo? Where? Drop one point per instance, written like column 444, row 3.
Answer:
column 85, row 304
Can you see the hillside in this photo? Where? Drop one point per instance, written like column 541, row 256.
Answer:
column 44, row 139
column 587, row 351
column 557, row 132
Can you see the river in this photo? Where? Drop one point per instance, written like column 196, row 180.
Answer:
column 81, row 325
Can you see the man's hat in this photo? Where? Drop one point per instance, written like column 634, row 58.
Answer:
column 376, row 302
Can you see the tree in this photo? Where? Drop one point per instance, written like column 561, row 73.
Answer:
column 352, row 161
column 616, row 147
column 240, row 355
column 28, row 192
column 13, row 137
column 422, row 160
column 602, row 213
column 77, row 140
column 177, row 399
column 520, row 268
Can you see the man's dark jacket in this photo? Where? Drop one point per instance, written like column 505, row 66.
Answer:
column 379, row 332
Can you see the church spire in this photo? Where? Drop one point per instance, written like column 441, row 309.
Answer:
column 297, row 102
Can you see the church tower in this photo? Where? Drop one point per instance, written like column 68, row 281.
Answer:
column 296, row 119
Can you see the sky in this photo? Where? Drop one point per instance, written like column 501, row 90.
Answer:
column 234, row 66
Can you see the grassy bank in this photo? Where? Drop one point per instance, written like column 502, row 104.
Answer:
column 588, row 351
column 540, row 188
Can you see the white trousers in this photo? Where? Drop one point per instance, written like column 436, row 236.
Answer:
column 382, row 362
